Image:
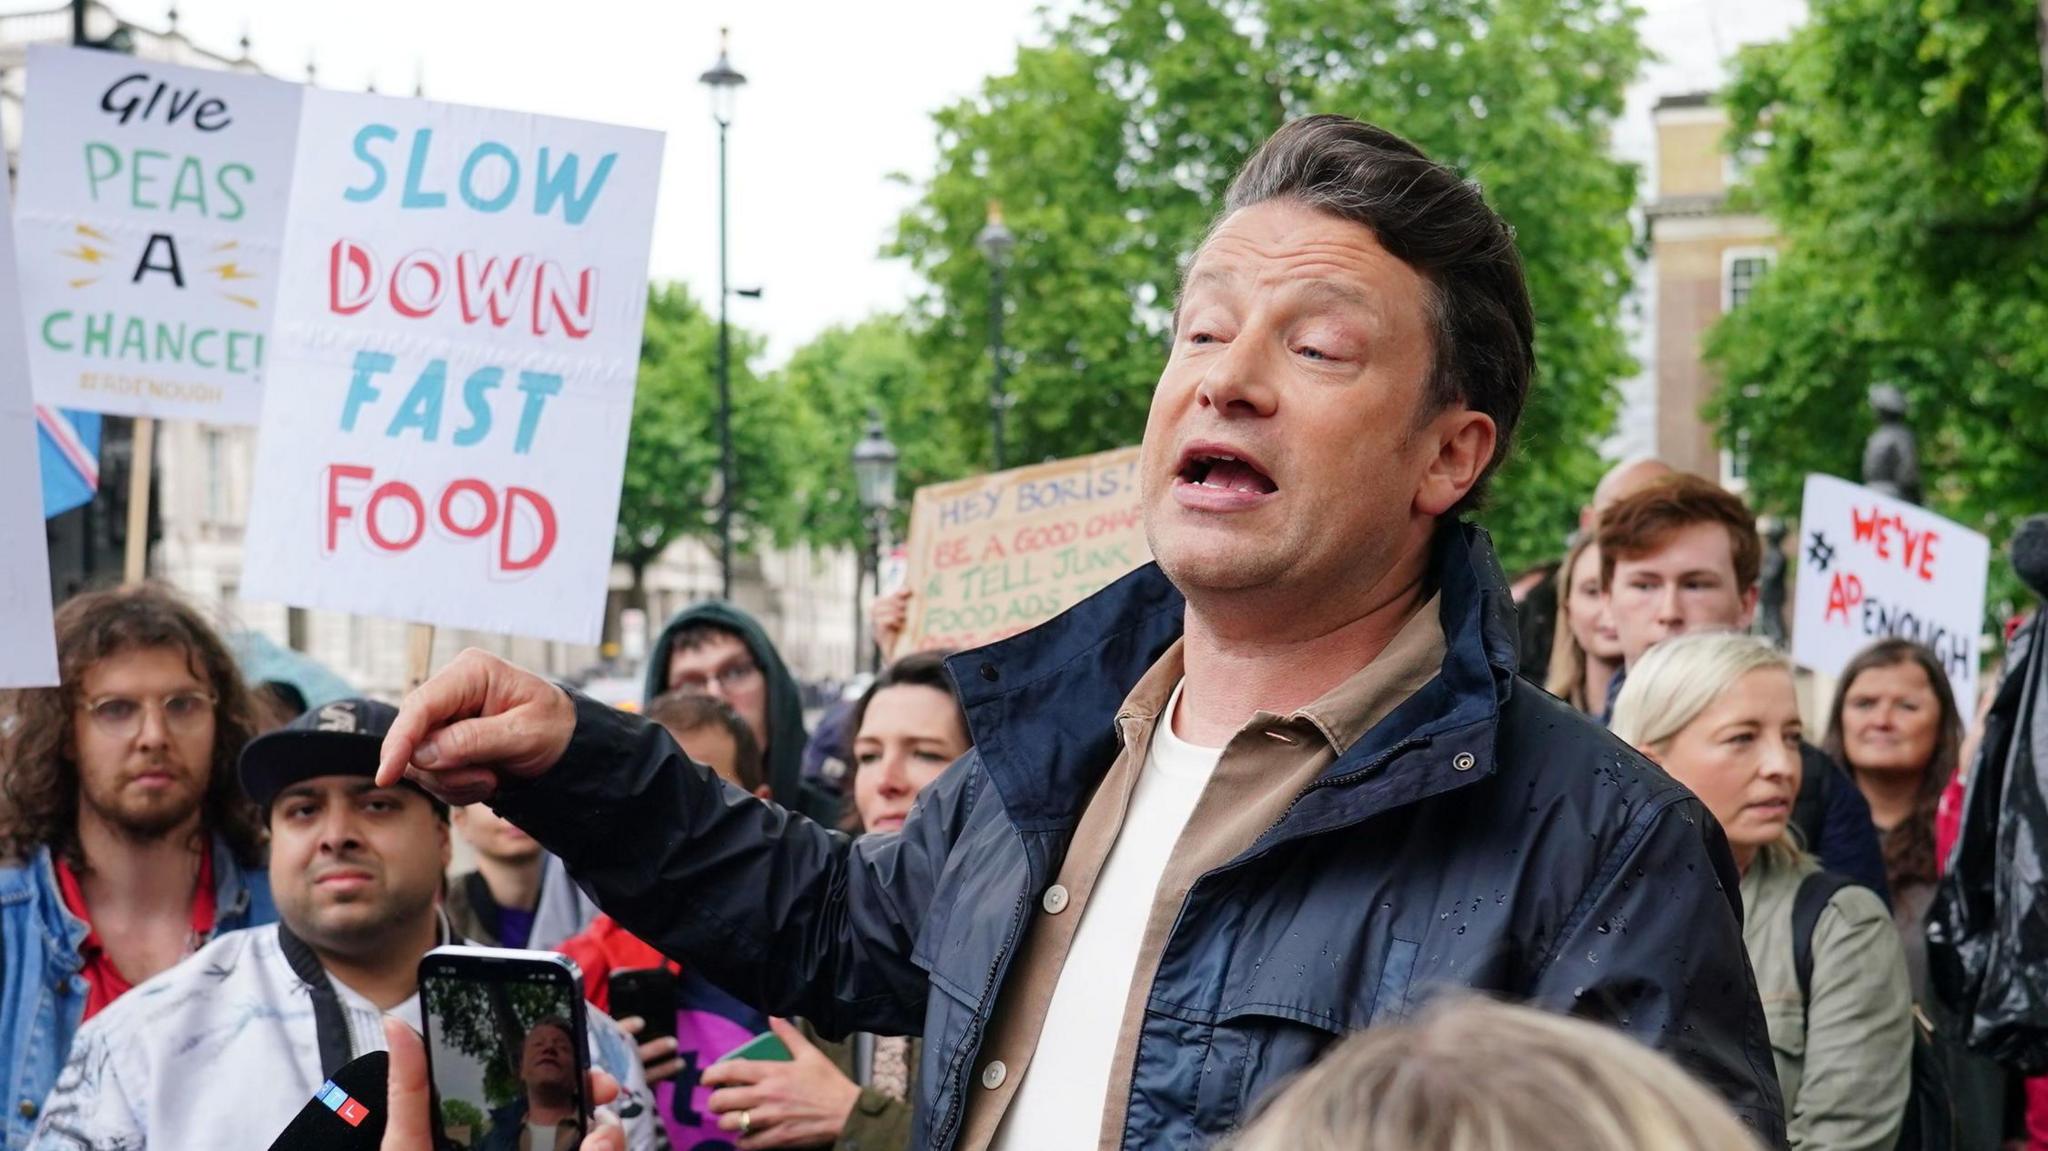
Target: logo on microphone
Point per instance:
(339, 1102)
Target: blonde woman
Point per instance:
(1474, 1075)
(1719, 714)
(1586, 651)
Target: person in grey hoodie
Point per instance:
(718, 650)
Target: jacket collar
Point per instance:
(64, 933)
(1042, 705)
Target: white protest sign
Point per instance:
(152, 213)
(1872, 567)
(451, 376)
(28, 640)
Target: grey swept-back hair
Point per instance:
(1437, 223)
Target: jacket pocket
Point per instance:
(1256, 1048)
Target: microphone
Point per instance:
(346, 1114)
(2030, 554)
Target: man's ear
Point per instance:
(1748, 609)
(1464, 442)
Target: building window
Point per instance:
(1735, 463)
(1740, 272)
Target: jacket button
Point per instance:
(1055, 899)
(1463, 761)
(27, 1109)
(992, 1076)
(989, 673)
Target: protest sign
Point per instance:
(28, 643)
(451, 374)
(998, 554)
(1872, 567)
(152, 214)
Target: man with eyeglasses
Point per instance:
(715, 649)
(127, 841)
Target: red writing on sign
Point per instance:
(1893, 541)
(497, 290)
(1843, 595)
(393, 516)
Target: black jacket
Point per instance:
(1484, 835)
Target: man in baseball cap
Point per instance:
(339, 739)
(245, 1031)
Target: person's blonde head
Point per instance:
(1475, 1075)
(1681, 677)
(1678, 681)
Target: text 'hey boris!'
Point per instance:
(1872, 567)
(151, 217)
(451, 372)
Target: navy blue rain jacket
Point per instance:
(1484, 836)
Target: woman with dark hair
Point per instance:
(1895, 728)
(907, 728)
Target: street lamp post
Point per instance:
(995, 242)
(874, 476)
(724, 82)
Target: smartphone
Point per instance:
(650, 993)
(766, 1046)
(507, 1045)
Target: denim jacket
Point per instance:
(42, 985)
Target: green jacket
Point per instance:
(879, 1122)
(1844, 1060)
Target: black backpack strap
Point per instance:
(1816, 891)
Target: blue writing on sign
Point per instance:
(490, 179)
(1067, 491)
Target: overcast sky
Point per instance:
(839, 98)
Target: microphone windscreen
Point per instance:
(2030, 554)
(346, 1114)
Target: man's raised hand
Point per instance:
(471, 724)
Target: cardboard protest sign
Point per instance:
(1872, 567)
(152, 214)
(451, 375)
(998, 554)
(28, 638)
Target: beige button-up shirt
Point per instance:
(1264, 767)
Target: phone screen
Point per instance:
(506, 1048)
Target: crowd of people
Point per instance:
(1268, 845)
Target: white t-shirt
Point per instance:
(1060, 1102)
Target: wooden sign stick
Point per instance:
(419, 654)
(135, 561)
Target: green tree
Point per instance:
(833, 382)
(457, 1114)
(1110, 148)
(1901, 151)
(671, 484)
(488, 1022)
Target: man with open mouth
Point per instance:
(1281, 785)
